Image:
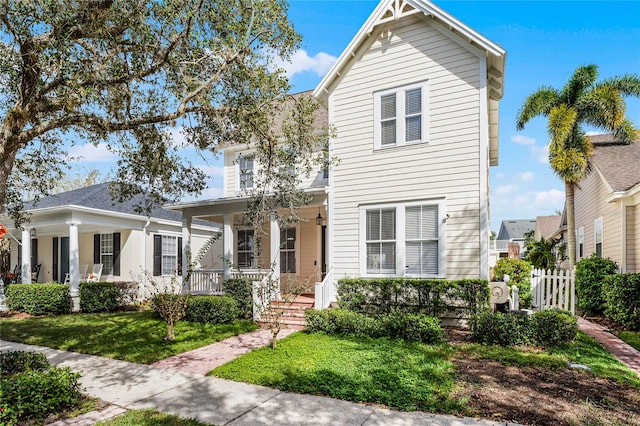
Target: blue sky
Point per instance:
(545, 41)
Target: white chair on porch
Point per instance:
(95, 275)
(83, 274)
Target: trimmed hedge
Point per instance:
(31, 389)
(425, 296)
(240, 289)
(590, 274)
(211, 309)
(397, 325)
(39, 299)
(622, 299)
(546, 328)
(105, 297)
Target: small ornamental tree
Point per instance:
(168, 300)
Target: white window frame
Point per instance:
(580, 242)
(400, 115)
(172, 242)
(400, 239)
(294, 250)
(597, 223)
(254, 261)
(106, 251)
(238, 171)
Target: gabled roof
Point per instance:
(547, 225)
(515, 229)
(618, 164)
(98, 197)
(393, 10)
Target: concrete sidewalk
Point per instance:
(222, 402)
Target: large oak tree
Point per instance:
(125, 72)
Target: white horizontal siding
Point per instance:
(448, 166)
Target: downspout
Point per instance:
(144, 239)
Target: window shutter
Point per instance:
(179, 255)
(34, 252)
(116, 253)
(157, 255)
(96, 248)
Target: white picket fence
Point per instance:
(553, 289)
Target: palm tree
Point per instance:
(545, 253)
(581, 102)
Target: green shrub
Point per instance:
(622, 299)
(590, 274)
(342, 321)
(240, 289)
(509, 329)
(519, 272)
(553, 327)
(412, 327)
(102, 296)
(20, 361)
(39, 299)
(33, 395)
(430, 297)
(211, 309)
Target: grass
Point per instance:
(131, 336)
(407, 376)
(148, 418)
(631, 337)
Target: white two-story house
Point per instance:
(414, 102)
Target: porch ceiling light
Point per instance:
(32, 233)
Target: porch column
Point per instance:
(186, 250)
(227, 245)
(274, 251)
(25, 272)
(74, 265)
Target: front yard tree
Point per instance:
(583, 101)
(125, 73)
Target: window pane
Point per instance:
(169, 254)
(412, 223)
(413, 102)
(388, 258)
(388, 132)
(412, 261)
(106, 253)
(429, 222)
(373, 258)
(388, 224)
(413, 131)
(373, 225)
(429, 257)
(388, 106)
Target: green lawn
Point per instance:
(148, 418)
(631, 337)
(131, 336)
(408, 376)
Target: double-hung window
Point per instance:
(169, 254)
(403, 239)
(400, 116)
(245, 248)
(106, 253)
(288, 250)
(245, 172)
(597, 233)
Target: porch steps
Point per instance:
(293, 313)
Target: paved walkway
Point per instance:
(627, 354)
(217, 401)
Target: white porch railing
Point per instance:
(553, 289)
(252, 274)
(323, 291)
(206, 281)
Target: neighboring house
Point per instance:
(511, 231)
(547, 227)
(414, 101)
(86, 227)
(607, 204)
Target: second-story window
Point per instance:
(245, 172)
(400, 116)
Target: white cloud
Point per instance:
(91, 153)
(501, 175)
(595, 132)
(540, 153)
(505, 190)
(177, 136)
(211, 171)
(301, 62)
(523, 140)
(541, 201)
(526, 176)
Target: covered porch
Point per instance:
(294, 255)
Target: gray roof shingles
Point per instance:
(98, 197)
(515, 229)
(619, 163)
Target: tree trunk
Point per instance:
(170, 333)
(571, 222)
(9, 147)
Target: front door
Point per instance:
(64, 258)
